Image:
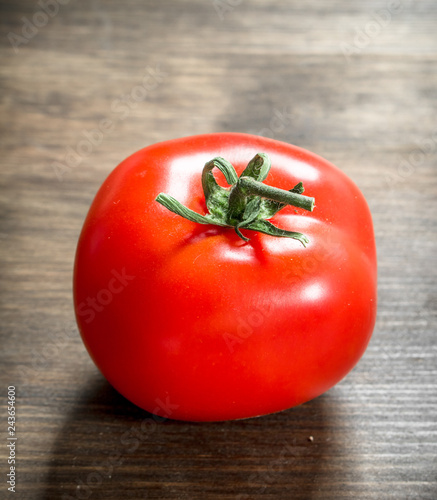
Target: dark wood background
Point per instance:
(353, 81)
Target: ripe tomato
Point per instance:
(192, 322)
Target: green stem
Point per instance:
(247, 203)
(209, 184)
(251, 186)
(247, 186)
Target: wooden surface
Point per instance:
(355, 82)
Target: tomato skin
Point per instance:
(216, 328)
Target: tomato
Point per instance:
(206, 322)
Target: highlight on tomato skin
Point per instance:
(225, 276)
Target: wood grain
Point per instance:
(352, 81)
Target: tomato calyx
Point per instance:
(247, 203)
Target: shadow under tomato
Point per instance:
(111, 449)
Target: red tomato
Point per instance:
(189, 321)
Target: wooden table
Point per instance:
(352, 81)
